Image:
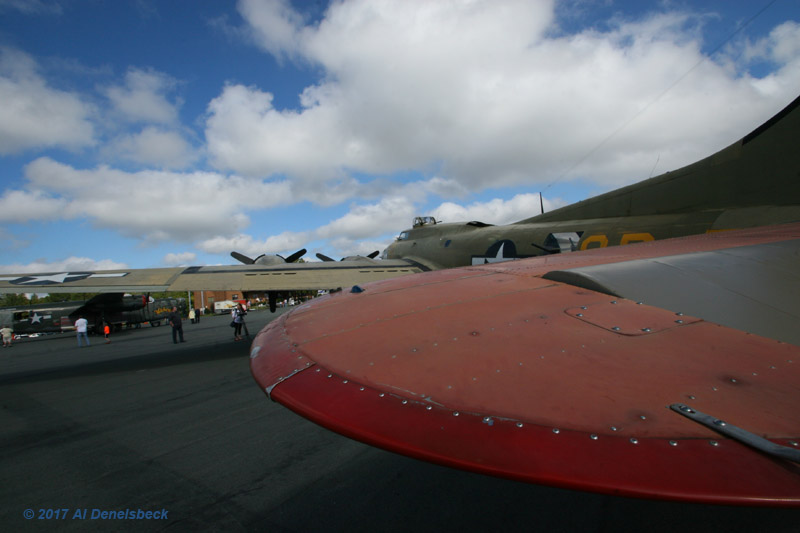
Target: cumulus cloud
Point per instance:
(153, 146)
(416, 103)
(35, 115)
(365, 221)
(23, 206)
(153, 205)
(143, 97)
(490, 94)
(181, 259)
(496, 211)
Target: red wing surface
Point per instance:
(567, 381)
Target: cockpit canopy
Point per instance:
(424, 221)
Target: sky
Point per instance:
(143, 133)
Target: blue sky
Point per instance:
(149, 133)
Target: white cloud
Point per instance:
(488, 94)
(181, 259)
(35, 115)
(364, 221)
(143, 97)
(74, 264)
(496, 211)
(154, 205)
(156, 147)
(23, 206)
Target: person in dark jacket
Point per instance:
(177, 325)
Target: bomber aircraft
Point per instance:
(667, 368)
(751, 183)
(114, 309)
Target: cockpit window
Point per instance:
(424, 221)
(403, 236)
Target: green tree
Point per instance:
(11, 300)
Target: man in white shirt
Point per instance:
(81, 325)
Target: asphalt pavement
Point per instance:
(182, 432)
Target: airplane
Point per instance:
(115, 309)
(653, 369)
(665, 369)
(751, 183)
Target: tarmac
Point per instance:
(183, 432)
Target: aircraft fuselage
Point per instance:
(453, 245)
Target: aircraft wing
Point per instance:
(648, 370)
(291, 276)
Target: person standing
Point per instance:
(106, 331)
(177, 325)
(238, 320)
(81, 326)
(7, 334)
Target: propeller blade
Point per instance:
(295, 256)
(323, 257)
(242, 258)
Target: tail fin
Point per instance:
(761, 170)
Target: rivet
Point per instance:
(755, 373)
(713, 443)
(679, 321)
(519, 424)
(455, 413)
(792, 443)
(613, 428)
(673, 443)
(429, 407)
(345, 381)
(686, 409)
(330, 375)
(404, 402)
(593, 436)
(613, 301)
(638, 303)
(361, 389)
(646, 330)
(413, 349)
(318, 370)
(720, 423)
(642, 417)
(679, 314)
(634, 440)
(772, 367)
(733, 380)
(615, 328)
(691, 397)
(714, 389)
(584, 307)
(382, 394)
(579, 314)
(556, 431)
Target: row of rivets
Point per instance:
(633, 440)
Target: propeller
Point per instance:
(325, 258)
(265, 259)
